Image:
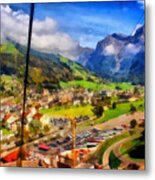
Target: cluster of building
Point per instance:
(11, 115)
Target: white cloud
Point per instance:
(110, 50)
(13, 25)
(47, 26)
(46, 35)
(132, 48)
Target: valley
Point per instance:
(76, 115)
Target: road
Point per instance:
(118, 121)
(127, 160)
(116, 149)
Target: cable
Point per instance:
(139, 20)
(25, 81)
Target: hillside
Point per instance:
(45, 70)
(9, 48)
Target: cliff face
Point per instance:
(119, 57)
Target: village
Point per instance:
(48, 137)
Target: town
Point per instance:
(47, 131)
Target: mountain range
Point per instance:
(118, 57)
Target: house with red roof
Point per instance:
(28, 116)
(44, 119)
(37, 116)
(10, 120)
(11, 156)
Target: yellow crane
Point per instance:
(73, 128)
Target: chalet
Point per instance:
(45, 120)
(88, 97)
(66, 98)
(33, 110)
(37, 106)
(45, 92)
(28, 116)
(76, 102)
(10, 120)
(98, 99)
(37, 116)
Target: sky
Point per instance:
(65, 27)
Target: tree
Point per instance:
(98, 110)
(133, 166)
(133, 123)
(132, 108)
(46, 128)
(35, 126)
(114, 105)
(107, 101)
(117, 88)
(136, 91)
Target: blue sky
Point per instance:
(89, 22)
(63, 28)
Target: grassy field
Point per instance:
(6, 132)
(69, 111)
(121, 109)
(109, 114)
(127, 147)
(96, 86)
(72, 111)
(78, 70)
(82, 83)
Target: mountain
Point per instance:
(119, 57)
(45, 70)
(84, 56)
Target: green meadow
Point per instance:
(95, 86)
(69, 111)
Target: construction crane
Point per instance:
(72, 155)
(73, 127)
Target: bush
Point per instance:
(114, 162)
(114, 105)
(98, 110)
(133, 123)
(132, 108)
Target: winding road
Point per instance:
(116, 149)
